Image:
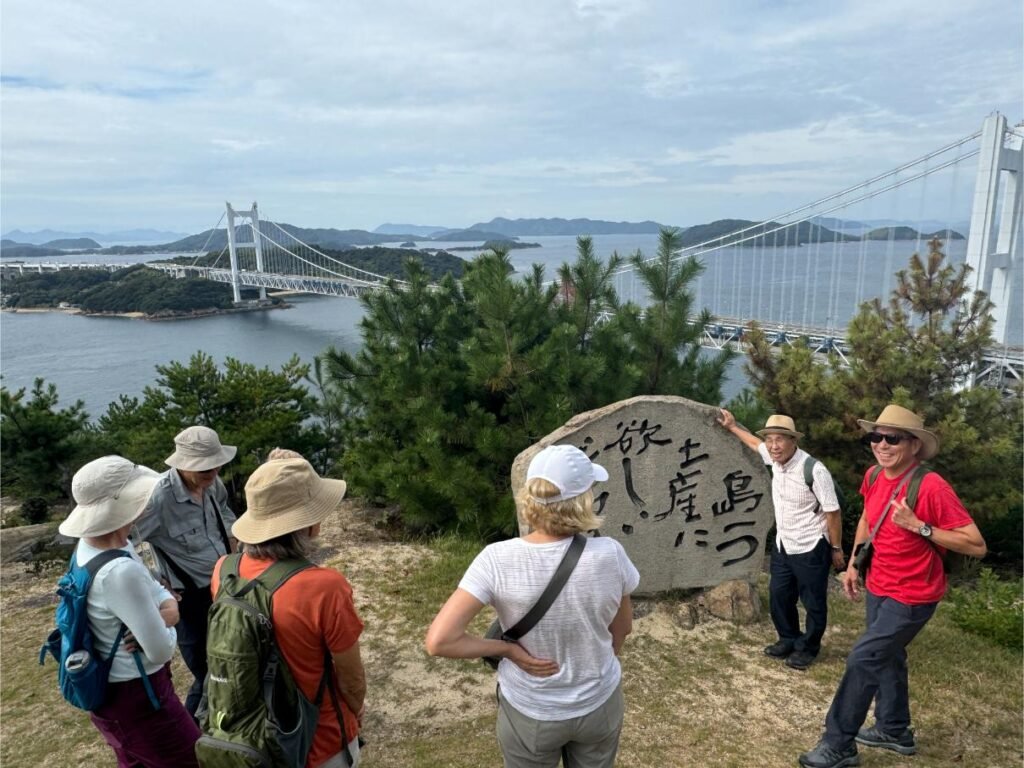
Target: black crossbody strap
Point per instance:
(892, 500)
(551, 592)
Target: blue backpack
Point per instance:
(84, 670)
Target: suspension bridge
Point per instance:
(800, 275)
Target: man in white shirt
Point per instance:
(808, 538)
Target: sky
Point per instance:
(350, 114)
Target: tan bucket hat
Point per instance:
(780, 425)
(285, 495)
(111, 492)
(898, 417)
(198, 449)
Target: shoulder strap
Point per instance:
(104, 557)
(892, 500)
(915, 484)
(220, 521)
(187, 582)
(809, 472)
(875, 472)
(271, 579)
(553, 589)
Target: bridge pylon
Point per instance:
(257, 245)
(994, 245)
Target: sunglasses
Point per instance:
(876, 437)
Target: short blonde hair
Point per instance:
(559, 518)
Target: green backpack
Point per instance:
(252, 714)
(809, 479)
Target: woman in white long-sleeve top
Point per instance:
(560, 692)
(111, 493)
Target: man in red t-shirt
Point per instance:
(904, 585)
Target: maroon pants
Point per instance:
(142, 737)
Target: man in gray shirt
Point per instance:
(187, 523)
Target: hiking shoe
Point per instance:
(873, 737)
(779, 650)
(800, 660)
(824, 756)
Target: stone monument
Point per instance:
(689, 503)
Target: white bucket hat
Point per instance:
(568, 468)
(285, 495)
(198, 449)
(111, 492)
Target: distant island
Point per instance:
(12, 249)
(491, 245)
(556, 226)
(909, 233)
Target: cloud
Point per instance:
(343, 114)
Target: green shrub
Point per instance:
(35, 510)
(993, 609)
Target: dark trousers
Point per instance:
(141, 736)
(804, 576)
(193, 609)
(877, 669)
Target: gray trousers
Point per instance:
(590, 741)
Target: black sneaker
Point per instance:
(873, 737)
(824, 756)
(800, 660)
(779, 650)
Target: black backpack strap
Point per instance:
(187, 582)
(809, 472)
(104, 557)
(329, 682)
(915, 484)
(551, 592)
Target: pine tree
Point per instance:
(916, 350)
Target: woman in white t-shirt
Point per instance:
(111, 493)
(560, 690)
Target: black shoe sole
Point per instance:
(888, 745)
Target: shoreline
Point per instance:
(193, 315)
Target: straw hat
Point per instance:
(780, 425)
(568, 468)
(285, 495)
(900, 418)
(111, 492)
(197, 449)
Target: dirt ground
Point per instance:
(694, 697)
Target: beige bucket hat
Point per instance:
(780, 425)
(285, 495)
(898, 417)
(198, 449)
(111, 492)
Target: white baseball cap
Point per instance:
(568, 468)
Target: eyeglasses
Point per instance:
(877, 437)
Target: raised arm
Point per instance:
(728, 421)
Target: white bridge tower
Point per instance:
(994, 244)
(254, 221)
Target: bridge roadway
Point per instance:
(1004, 368)
(341, 285)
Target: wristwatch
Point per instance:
(925, 530)
(837, 549)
